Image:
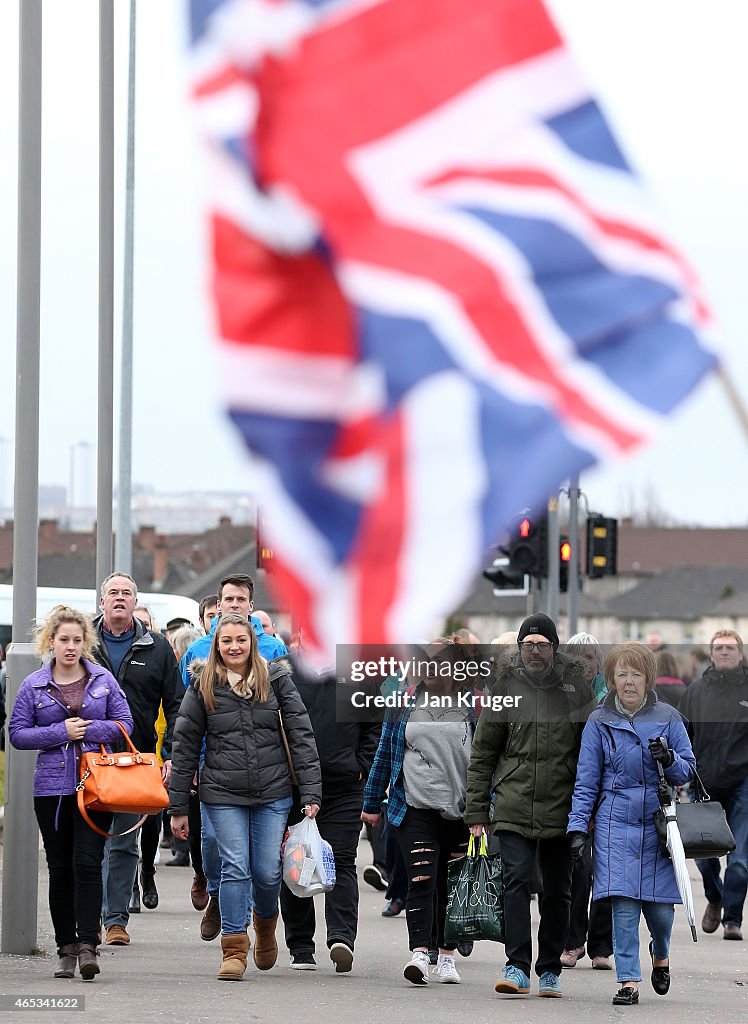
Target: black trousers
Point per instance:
(518, 857)
(150, 834)
(339, 823)
(396, 870)
(590, 924)
(74, 854)
(428, 842)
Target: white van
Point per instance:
(164, 607)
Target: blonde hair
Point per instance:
(509, 636)
(215, 674)
(151, 617)
(635, 655)
(730, 633)
(60, 614)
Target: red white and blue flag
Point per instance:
(439, 289)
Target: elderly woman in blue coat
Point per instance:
(616, 785)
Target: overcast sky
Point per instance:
(673, 78)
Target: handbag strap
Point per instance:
(284, 738)
(128, 741)
(702, 797)
(107, 835)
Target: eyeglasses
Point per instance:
(542, 648)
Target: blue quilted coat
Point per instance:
(616, 784)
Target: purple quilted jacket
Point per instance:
(38, 723)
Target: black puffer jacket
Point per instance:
(346, 747)
(245, 760)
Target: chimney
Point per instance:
(146, 537)
(160, 562)
(224, 522)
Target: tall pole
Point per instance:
(553, 560)
(124, 487)
(573, 592)
(104, 474)
(20, 866)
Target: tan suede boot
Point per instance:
(235, 949)
(266, 948)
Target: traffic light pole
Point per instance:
(573, 591)
(553, 582)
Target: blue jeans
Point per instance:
(249, 841)
(119, 870)
(626, 912)
(730, 892)
(212, 861)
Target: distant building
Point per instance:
(191, 564)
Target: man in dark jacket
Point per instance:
(144, 665)
(716, 711)
(346, 750)
(527, 754)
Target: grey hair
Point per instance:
(124, 575)
(583, 639)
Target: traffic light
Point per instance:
(564, 553)
(503, 579)
(527, 549)
(602, 546)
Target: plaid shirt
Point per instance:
(387, 769)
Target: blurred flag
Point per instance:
(439, 290)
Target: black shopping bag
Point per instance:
(475, 900)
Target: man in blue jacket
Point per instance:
(235, 596)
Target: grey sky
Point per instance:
(673, 78)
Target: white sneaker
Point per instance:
(445, 970)
(417, 969)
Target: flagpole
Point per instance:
(124, 487)
(21, 849)
(573, 590)
(104, 474)
(554, 569)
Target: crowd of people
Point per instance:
(560, 770)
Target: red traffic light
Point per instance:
(566, 551)
(524, 528)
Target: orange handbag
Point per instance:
(128, 783)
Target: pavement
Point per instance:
(168, 972)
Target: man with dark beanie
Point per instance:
(526, 755)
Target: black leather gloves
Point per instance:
(660, 751)
(577, 846)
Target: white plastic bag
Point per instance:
(308, 861)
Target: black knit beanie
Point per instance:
(541, 624)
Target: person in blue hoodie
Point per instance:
(616, 786)
(236, 597)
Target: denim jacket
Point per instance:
(38, 723)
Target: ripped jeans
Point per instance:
(428, 842)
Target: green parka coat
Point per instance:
(526, 756)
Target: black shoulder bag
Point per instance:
(702, 824)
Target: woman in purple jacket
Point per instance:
(69, 705)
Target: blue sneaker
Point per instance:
(550, 985)
(514, 982)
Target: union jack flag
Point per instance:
(438, 287)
